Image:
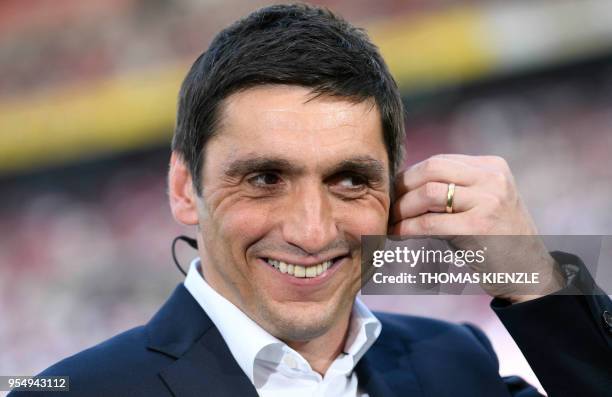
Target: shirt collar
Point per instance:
(233, 324)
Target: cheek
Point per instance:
(364, 218)
(242, 223)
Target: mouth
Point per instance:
(300, 271)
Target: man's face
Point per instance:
(297, 182)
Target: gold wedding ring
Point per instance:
(450, 195)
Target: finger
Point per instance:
(436, 169)
(433, 224)
(495, 163)
(431, 197)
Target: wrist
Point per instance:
(552, 281)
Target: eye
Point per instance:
(351, 181)
(349, 185)
(265, 179)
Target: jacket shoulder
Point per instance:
(433, 332)
(119, 366)
(415, 326)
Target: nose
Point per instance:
(309, 222)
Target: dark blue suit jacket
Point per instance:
(181, 353)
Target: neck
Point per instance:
(320, 352)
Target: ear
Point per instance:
(181, 192)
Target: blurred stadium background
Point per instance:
(87, 102)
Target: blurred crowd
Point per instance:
(45, 43)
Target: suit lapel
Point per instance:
(372, 380)
(387, 370)
(208, 368)
(204, 365)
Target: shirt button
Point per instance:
(290, 361)
(607, 319)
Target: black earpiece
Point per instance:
(193, 243)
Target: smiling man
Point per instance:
(283, 181)
(286, 151)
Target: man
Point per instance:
(286, 149)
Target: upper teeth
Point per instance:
(300, 271)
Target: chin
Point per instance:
(300, 321)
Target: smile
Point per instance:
(299, 271)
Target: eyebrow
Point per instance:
(364, 165)
(258, 164)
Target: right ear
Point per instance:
(181, 192)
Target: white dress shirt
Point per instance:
(274, 368)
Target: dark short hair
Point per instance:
(293, 44)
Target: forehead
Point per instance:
(290, 120)
(292, 107)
